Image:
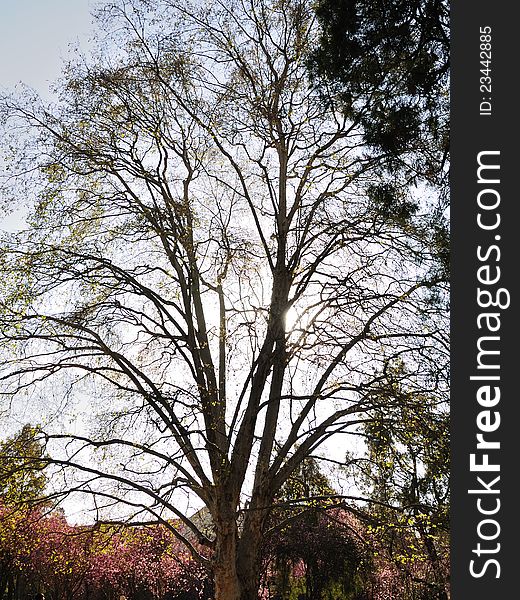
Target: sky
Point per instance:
(35, 36)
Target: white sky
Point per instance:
(35, 36)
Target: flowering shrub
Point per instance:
(315, 555)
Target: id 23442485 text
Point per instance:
(486, 99)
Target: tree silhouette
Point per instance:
(208, 272)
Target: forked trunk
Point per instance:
(236, 581)
(227, 584)
(248, 561)
(237, 568)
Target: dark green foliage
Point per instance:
(409, 36)
(387, 61)
(326, 552)
(389, 203)
(315, 549)
(407, 474)
(391, 128)
(385, 64)
(441, 244)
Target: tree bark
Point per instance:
(237, 563)
(248, 566)
(227, 584)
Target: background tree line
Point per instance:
(318, 546)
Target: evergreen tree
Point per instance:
(22, 464)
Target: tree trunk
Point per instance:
(237, 567)
(249, 553)
(249, 574)
(227, 584)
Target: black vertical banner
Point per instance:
(485, 323)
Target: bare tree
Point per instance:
(212, 269)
